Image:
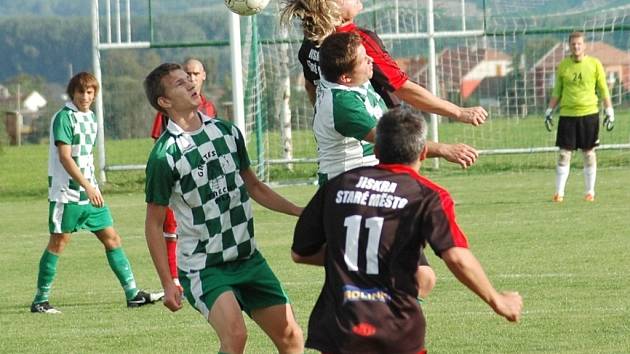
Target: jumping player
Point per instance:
(319, 19)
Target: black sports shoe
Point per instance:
(44, 307)
(144, 298)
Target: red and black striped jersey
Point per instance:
(387, 78)
(373, 222)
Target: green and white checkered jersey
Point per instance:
(343, 117)
(198, 175)
(77, 129)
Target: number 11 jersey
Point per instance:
(373, 222)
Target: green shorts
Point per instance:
(251, 280)
(72, 217)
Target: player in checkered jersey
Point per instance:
(197, 72)
(75, 200)
(367, 227)
(200, 168)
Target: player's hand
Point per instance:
(609, 120)
(549, 119)
(508, 305)
(95, 197)
(173, 297)
(460, 154)
(473, 115)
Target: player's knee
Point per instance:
(233, 341)
(426, 281)
(292, 340)
(590, 159)
(564, 157)
(57, 243)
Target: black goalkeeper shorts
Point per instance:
(578, 132)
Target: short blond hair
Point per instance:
(319, 18)
(576, 34)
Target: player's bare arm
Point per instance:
(157, 248)
(423, 99)
(266, 196)
(466, 268)
(68, 163)
(461, 154)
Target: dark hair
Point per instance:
(153, 86)
(401, 134)
(82, 81)
(338, 54)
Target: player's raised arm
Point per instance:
(423, 99)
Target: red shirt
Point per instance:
(159, 122)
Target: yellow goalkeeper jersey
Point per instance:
(577, 85)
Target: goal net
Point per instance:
(499, 54)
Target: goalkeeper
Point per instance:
(578, 78)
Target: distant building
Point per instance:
(459, 70)
(25, 121)
(33, 102)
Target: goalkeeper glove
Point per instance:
(548, 119)
(609, 121)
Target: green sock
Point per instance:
(46, 275)
(120, 265)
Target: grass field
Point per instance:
(569, 261)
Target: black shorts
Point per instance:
(578, 132)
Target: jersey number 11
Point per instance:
(353, 228)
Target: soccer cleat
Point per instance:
(589, 197)
(44, 307)
(144, 298)
(557, 198)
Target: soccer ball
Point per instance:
(246, 7)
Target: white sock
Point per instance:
(590, 174)
(590, 171)
(562, 174)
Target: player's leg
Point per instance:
(588, 139)
(62, 220)
(590, 174)
(100, 222)
(264, 299)
(563, 167)
(47, 273)
(425, 276)
(170, 236)
(280, 325)
(226, 319)
(566, 141)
